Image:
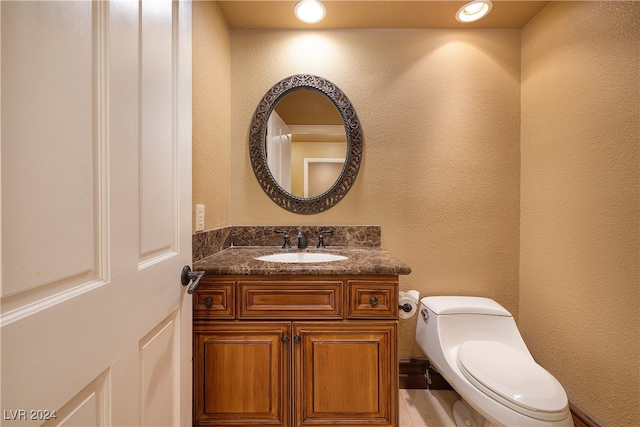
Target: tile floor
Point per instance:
(426, 408)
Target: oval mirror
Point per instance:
(305, 144)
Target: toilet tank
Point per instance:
(445, 322)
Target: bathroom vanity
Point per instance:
(296, 344)
(295, 341)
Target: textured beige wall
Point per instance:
(211, 113)
(440, 112)
(579, 300)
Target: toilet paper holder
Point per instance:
(405, 307)
(408, 303)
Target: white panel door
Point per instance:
(96, 212)
(279, 150)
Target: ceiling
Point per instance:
(362, 14)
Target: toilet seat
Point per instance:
(513, 379)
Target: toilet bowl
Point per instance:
(476, 346)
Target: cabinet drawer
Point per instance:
(214, 301)
(375, 300)
(290, 300)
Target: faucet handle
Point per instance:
(321, 238)
(286, 244)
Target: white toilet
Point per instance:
(476, 346)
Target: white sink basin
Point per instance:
(307, 257)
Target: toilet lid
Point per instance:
(513, 378)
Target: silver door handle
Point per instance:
(191, 276)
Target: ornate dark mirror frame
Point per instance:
(257, 149)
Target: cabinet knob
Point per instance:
(373, 301)
(208, 302)
(297, 339)
(285, 339)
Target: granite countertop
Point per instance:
(241, 261)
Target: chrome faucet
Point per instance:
(302, 240)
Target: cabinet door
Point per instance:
(242, 373)
(346, 373)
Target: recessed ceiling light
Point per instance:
(473, 11)
(310, 11)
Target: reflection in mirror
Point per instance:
(305, 143)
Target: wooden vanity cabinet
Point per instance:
(300, 351)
